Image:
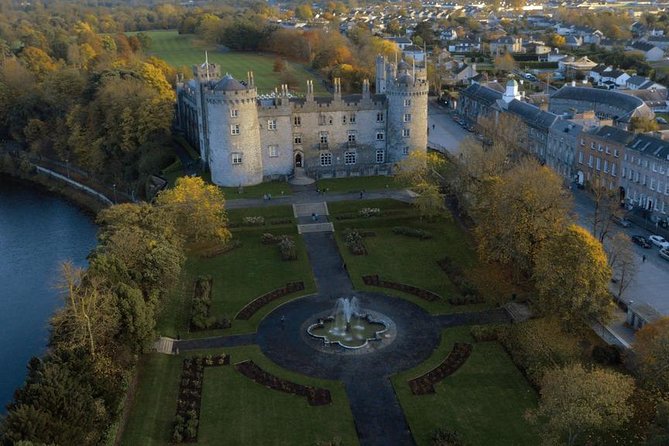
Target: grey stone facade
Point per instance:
(245, 139)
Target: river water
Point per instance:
(38, 231)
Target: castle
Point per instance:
(245, 139)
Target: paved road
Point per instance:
(446, 134)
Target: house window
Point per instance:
(380, 156)
(616, 153)
(405, 151)
(324, 137)
(297, 139)
(234, 129)
(273, 151)
(407, 117)
(592, 145)
(350, 157)
(379, 117)
(407, 102)
(599, 163)
(351, 136)
(234, 113)
(236, 158)
(590, 160)
(607, 150)
(297, 121)
(352, 118)
(582, 141)
(606, 166)
(271, 124)
(380, 136)
(326, 159)
(406, 133)
(580, 157)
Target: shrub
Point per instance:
(269, 239)
(353, 240)
(445, 437)
(412, 232)
(287, 248)
(254, 221)
(606, 355)
(369, 212)
(485, 333)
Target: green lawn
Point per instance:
(356, 184)
(484, 401)
(249, 271)
(275, 188)
(235, 410)
(179, 50)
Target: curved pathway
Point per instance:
(282, 337)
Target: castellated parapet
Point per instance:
(245, 138)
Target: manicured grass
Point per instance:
(185, 50)
(353, 206)
(275, 188)
(356, 184)
(409, 260)
(484, 401)
(249, 271)
(235, 410)
(236, 216)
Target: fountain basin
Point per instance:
(356, 333)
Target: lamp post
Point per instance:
(67, 166)
(114, 187)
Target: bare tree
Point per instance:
(606, 206)
(622, 261)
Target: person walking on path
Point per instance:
(643, 258)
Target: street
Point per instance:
(446, 134)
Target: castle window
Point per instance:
(352, 118)
(234, 129)
(326, 159)
(297, 120)
(380, 156)
(322, 119)
(236, 158)
(407, 102)
(330, 121)
(297, 139)
(350, 157)
(351, 136)
(273, 151)
(234, 113)
(407, 117)
(324, 137)
(379, 117)
(380, 136)
(406, 133)
(405, 151)
(271, 124)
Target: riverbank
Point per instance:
(28, 173)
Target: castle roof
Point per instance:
(229, 83)
(405, 79)
(596, 95)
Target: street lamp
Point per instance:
(114, 187)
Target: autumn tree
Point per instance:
(572, 276)
(520, 210)
(643, 124)
(623, 262)
(651, 346)
(421, 172)
(576, 402)
(505, 63)
(304, 12)
(197, 209)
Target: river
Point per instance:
(38, 231)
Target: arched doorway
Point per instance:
(298, 159)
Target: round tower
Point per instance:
(407, 122)
(235, 156)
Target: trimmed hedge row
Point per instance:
(469, 293)
(374, 280)
(316, 396)
(200, 318)
(424, 384)
(187, 418)
(257, 303)
(412, 232)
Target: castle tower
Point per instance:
(232, 116)
(406, 99)
(380, 74)
(204, 74)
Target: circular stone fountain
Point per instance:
(348, 326)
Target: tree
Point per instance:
(505, 63)
(430, 202)
(651, 346)
(304, 12)
(644, 124)
(658, 434)
(572, 276)
(558, 40)
(623, 262)
(606, 206)
(197, 209)
(517, 212)
(421, 172)
(279, 65)
(576, 402)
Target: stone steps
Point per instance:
(307, 209)
(315, 227)
(164, 345)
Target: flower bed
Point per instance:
(257, 303)
(468, 291)
(412, 232)
(200, 318)
(419, 292)
(187, 418)
(353, 239)
(315, 395)
(424, 384)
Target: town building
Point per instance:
(598, 162)
(244, 138)
(645, 174)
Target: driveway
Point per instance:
(446, 135)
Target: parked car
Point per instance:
(659, 241)
(664, 253)
(661, 120)
(620, 221)
(641, 241)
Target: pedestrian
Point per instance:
(269, 197)
(283, 321)
(643, 258)
(432, 126)
(264, 197)
(313, 216)
(361, 195)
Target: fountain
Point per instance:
(348, 326)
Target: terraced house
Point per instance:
(645, 174)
